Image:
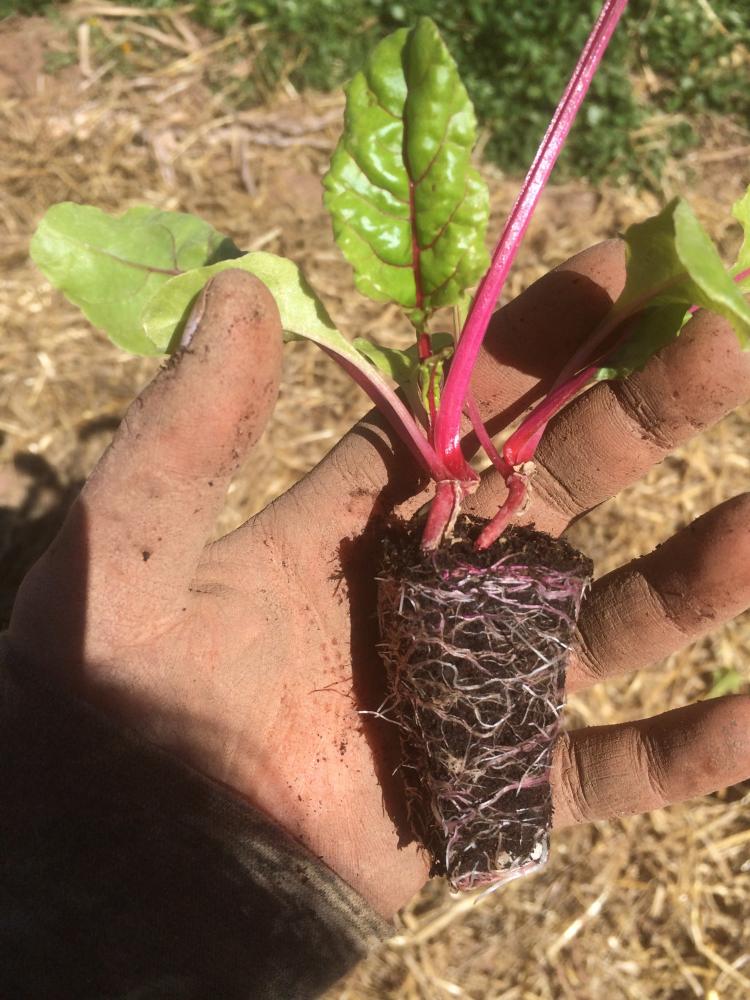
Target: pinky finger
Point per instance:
(609, 771)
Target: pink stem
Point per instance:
(398, 415)
(484, 438)
(585, 352)
(516, 495)
(521, 445)
(448, 425)
(442, 513)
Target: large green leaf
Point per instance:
(302, 317)
(741, 212)
(672, 264)
(409, 211)
(111, 266)
(302, 313)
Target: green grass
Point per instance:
(515, 59)
(8, 7)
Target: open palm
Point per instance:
(254, 658)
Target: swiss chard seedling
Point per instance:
(476, 618)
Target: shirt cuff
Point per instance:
(125, 873)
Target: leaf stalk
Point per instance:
(447, 426)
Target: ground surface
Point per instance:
(654, 907)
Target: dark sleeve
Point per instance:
(125, 874)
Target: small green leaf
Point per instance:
(672, 264)
(651, 330)
(111, 266)
(401, 366)
(398, 365)
(741, 212)
(409, 210)
(430, 377)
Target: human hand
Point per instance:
(251, 657)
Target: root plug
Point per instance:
(476, 645)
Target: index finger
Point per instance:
(613, 434)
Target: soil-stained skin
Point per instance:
(476, 646)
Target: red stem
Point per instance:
(484, 438)
(448, 425)
(521, 445)
(442, 513)
(516, 484)
(585, 353)
(398, 415)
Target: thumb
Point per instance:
(152, 501)
(230, 355)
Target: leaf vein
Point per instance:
(371, 203)
(443, 228)
(375, 184)
(372, 249)
(130, 263)
(441, 146)
(379, 104)
(451, 276)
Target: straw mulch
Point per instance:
(649, 907)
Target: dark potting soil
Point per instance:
(476, 645)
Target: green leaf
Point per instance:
(409, 211)
(672, 264)
(430, 377)
(741, 212)
(651, 330)
(111, 266)
(302, 317)
(302, 314)
(401, 366)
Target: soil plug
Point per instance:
(476, 645)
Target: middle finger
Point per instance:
(655, 605)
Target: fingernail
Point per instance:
(196, 315)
